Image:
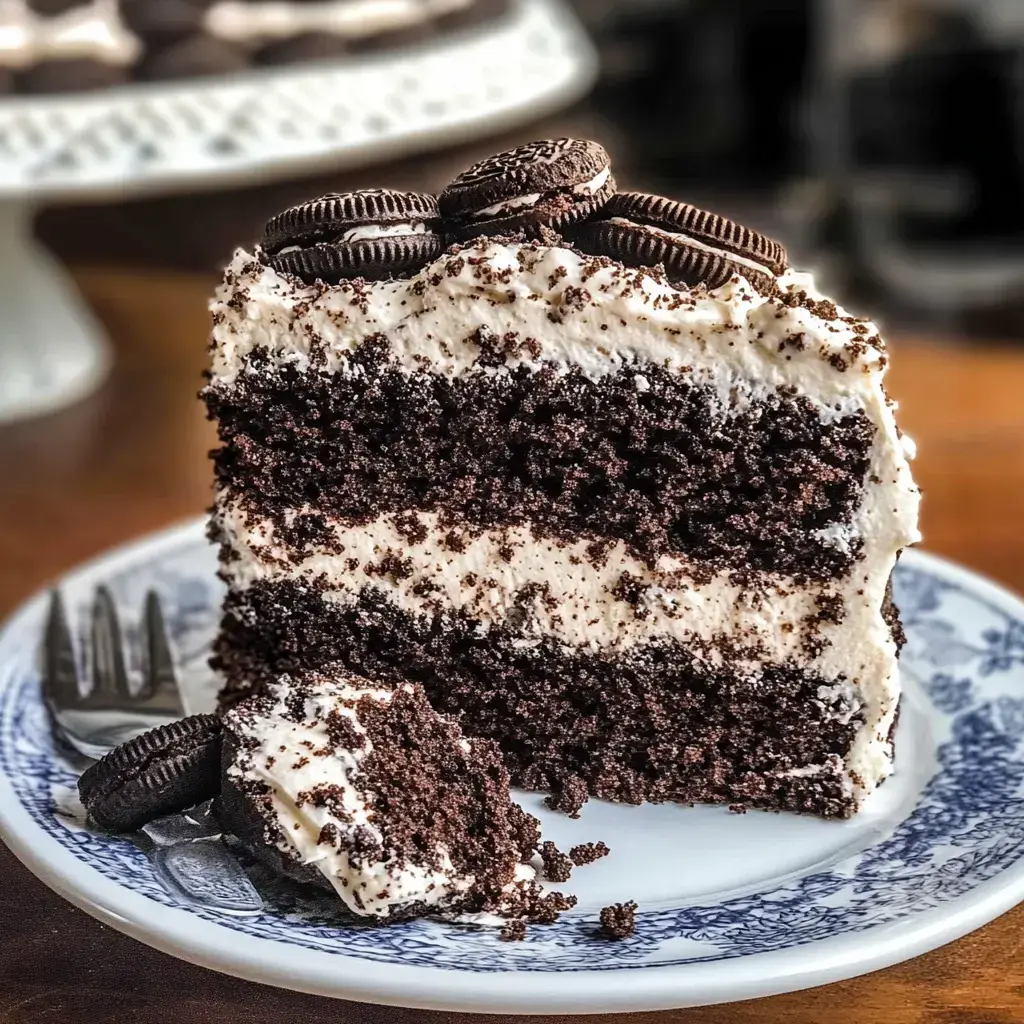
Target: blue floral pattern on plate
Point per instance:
(966, 650)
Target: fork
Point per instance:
(110, 712)
(187, 850)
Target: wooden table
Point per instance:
(133, 459)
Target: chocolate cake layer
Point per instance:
(372, 795)
(662, 722)
(641, 454)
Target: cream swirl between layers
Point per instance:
(280, 754)
(93, 30)
(254, 21)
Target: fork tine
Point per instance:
(159, 675)
(109, 675)
(60, 671)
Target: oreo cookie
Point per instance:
(694, 245)
(160, 22)
(51, 8)
(393, 39)
(372, 233)
(192, 57)
(72, 75)
(300, 49)
(160, 772)
(478, 13)
(551, 184)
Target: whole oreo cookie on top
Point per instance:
(165, 770)
(695, 246)
(372, 233)
(551, 184)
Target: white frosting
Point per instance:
(253, 21)
(595, 319)
(93, 30)
(507, 205)
(281, 759)
(365, 232)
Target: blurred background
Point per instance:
(882, 140)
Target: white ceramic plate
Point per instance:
(731, 906)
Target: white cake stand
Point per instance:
(243, 129)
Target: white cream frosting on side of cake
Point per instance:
(248, 21)
(282, 758)
(92, 30)
(596, 317)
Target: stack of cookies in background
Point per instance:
(70, 45)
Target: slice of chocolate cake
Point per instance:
(617, 487)
(370, 793)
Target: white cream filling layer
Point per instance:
(253, 21)
(94, 31)
(694, 243)
(282, 759)
(367, 232)
(508, 205)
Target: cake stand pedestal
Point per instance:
(242, 129)
(52, 349)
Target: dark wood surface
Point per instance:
(132, 459)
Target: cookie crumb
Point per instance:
(557, 866)
(514, 931)
(619, 920)
(587, 853)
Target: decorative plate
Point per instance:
(731, 906)
(242, 127)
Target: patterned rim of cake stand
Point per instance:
(953, 863)
(237, 129)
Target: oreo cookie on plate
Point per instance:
(372, 233)
(550, 184)
(165, 770)
(694, 245)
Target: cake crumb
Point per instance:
(619, 920)
(737, 808)
(570, 797)
(514, 931)
(587, 853)
(557, 865)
